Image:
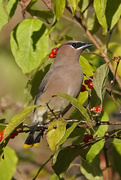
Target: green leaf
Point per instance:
(7, 11)
(98, 146)
(116, 155)
(100, 8)
(83, 97)
(92, 171)
(73, 5)
(86, 67)
(3, 15)
(68, 132)
(17, 120)
(83, 4)
(93, 24)
(54, 177)
(44, 15)
(99, 80)
(56, 130)
(75, 102)
(94, 150)
(63, 157)
(59, 6)
(29, 44)
(108, 13)
(102, 128)
(11, 7)
(113, 12)
(8, 164)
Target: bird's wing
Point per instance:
(42, 85)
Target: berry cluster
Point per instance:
(87, 137)
(53, 53)
(87, 82)
(116, 59)
(12, 135)
(97, 109)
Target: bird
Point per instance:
(64, 76)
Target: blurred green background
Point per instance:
(13, 82)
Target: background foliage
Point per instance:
(29, 30)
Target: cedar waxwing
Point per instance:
(64, 76)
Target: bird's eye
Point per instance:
(74, 45)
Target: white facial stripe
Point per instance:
(84, 46)
(72, 46)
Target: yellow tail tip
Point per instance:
(35, 144)
(26, 146)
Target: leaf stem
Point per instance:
(43, 166)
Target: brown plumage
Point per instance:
(64, 76)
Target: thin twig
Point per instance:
(91, 1)
(51, 110)
(93, 53)
(111, 95)
(114, 78)
(109, 37)
(115, 103)
(51, 38)
(43, 166)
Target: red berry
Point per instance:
(90, 85)
(85, 140)
(91, 77)
(54, 51)
(83, 88)
(116, 59)
(86, 81)
(15, 133)
(1, 136)
(20, 129)
(3, 131)
(90, 136)
(51, 55)
(12, 136)
(106, 135)
(97, 109)
(86, 136)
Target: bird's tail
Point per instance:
(33, 138)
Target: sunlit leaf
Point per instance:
(66, 155)
(93, 24)
(92, 170)
(6, 11)
(116, 155)
(8, 164)
(73, 5)
(94, 150)
(17, 120)
(100, 8)
(99, 80)
(68, 132)
(59, 6)
(103, 128)
(29, 43)
(76, 103)
(108, 13)
(56, 131)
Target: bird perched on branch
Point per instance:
(64, 76)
